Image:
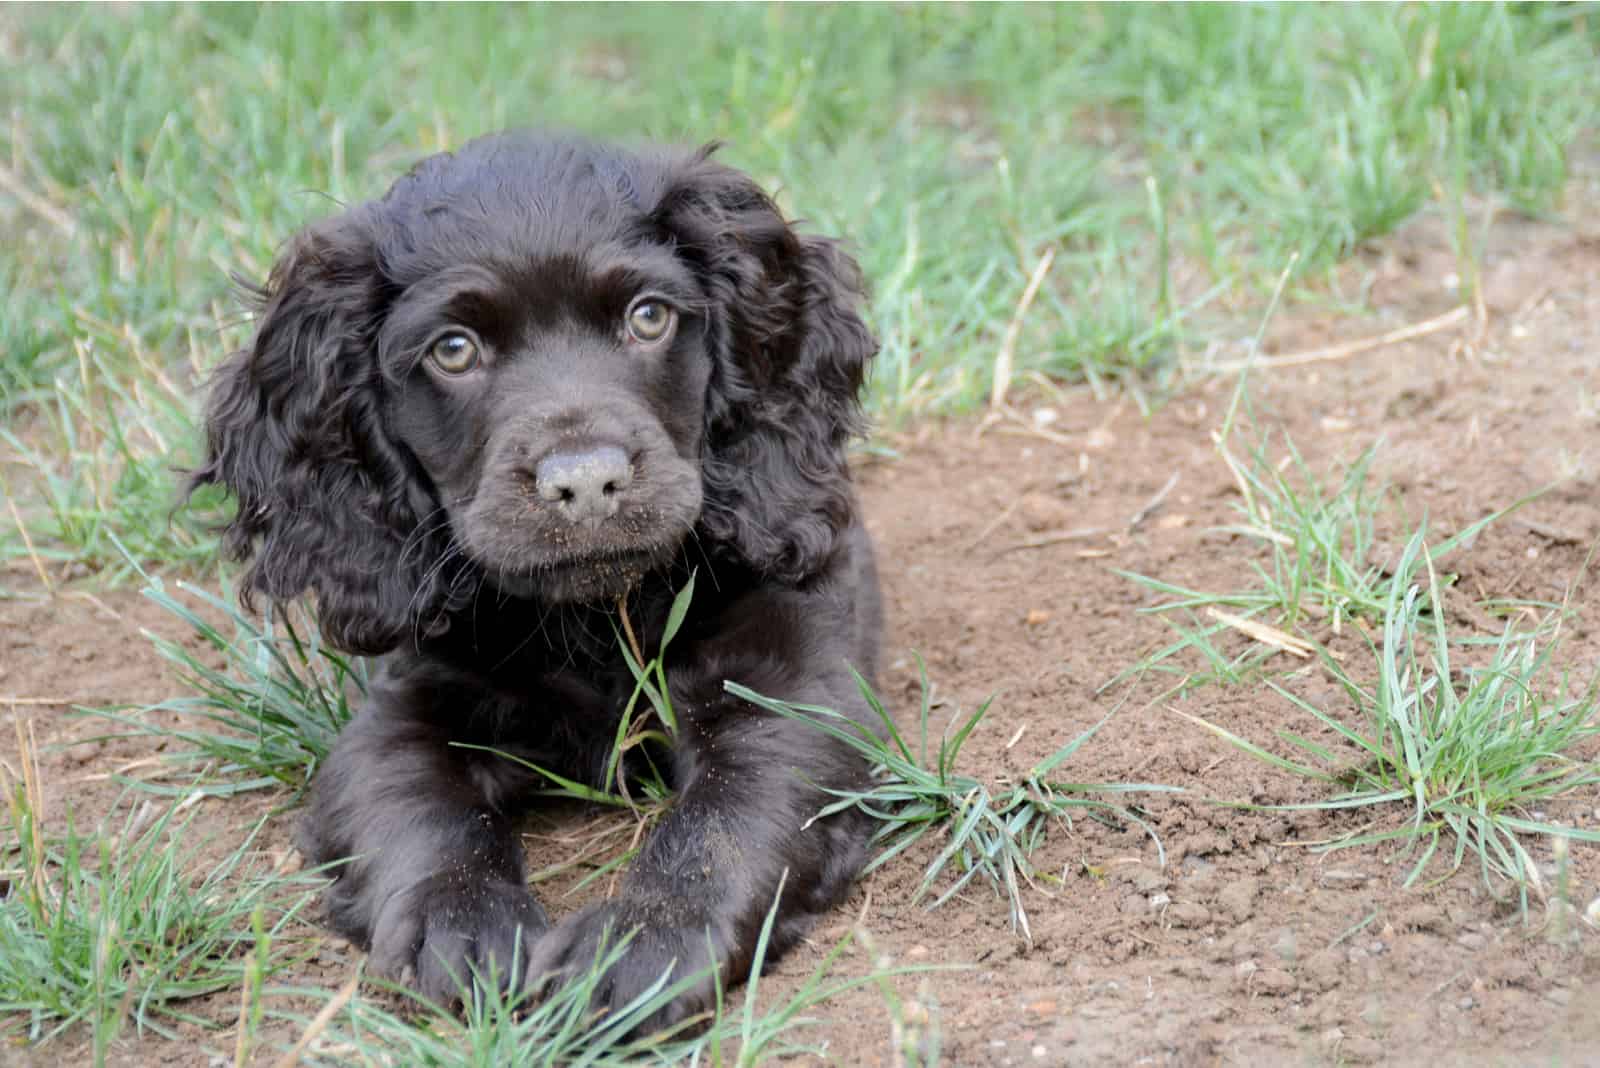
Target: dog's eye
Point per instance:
(454, 354)
(650, 320)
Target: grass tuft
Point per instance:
(1323, 565)
(992, 829)
(124, 924)
(1471, 751)
(266, 717)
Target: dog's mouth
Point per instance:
(594, 578)
(603, 577)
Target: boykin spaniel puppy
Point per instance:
(536, 386)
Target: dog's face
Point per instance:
(549, 379)
(539, 364)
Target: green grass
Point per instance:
(266, 717)
(118, 927)
(497, 1028)
(1172, 159)
(1325, 565)
(990, 829)
(1471, 748)
(1440, 753)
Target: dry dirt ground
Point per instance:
(1248, 946)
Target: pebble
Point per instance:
(1423, 918)
(1238, 899)
(1472, 940)
(1274, 982)
(1145, 880)
(1040, 511)
(1189, 914)
(1321, 969)
(1511, 972)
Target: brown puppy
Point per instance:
(538, 376)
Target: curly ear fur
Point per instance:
(326, 502)
(791, 354)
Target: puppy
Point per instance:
(540, 382)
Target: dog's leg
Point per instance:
(429, 870)
(698, 893)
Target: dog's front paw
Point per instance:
(455, 931)
(676, 946)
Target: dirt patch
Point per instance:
(1247, 946)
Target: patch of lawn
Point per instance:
(990, 829)
(1445, 754)
(121, 925)
(1160, 155)
(266, 717)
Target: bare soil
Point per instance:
(1249, 945)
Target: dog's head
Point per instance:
(541, 364)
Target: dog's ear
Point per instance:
(791, 353)
(294, 429)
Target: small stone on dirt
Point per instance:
(1321, 970)
(1286, 946)
(1188, 914)
(1343, 877)
(1041, 511)
(1238, 899)
(1273, 982)
(1143, 879)
(1511, 972)
(1422, 918)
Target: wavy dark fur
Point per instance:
(408, 501)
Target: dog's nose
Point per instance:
(584, 484)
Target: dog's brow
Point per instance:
(627, 280)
